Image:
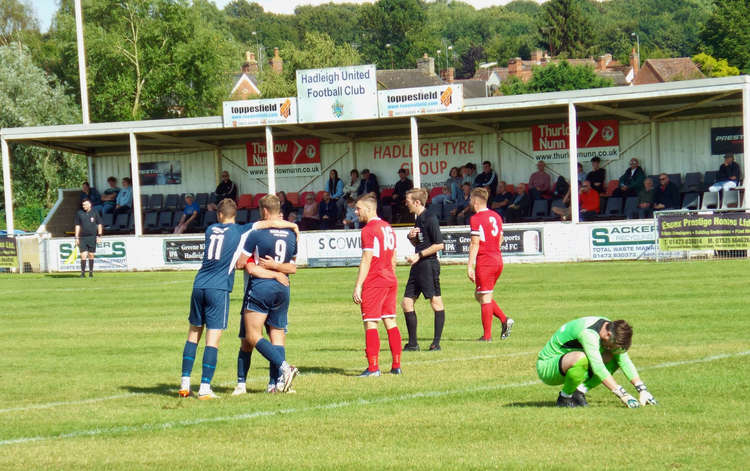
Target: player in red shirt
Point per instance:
(376, 286)
(486, 261)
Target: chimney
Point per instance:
(277, 63)
(451, 74)
(426, 64)
(251, 65)
(515, 66)
(537, 56)
(603, 61)
(635, 62)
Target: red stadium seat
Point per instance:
(293, 197)
(319, 196)
(611, 187)
(438, 190)
(257, 198)
(245, 201)
(386, 193)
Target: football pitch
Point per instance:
(90, 372)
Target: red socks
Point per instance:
(372, 349)
(394, 341)
(487, 311)
(498, 312)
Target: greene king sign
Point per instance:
(595, 139)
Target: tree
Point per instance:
(565, 28)
(399, 23)
(469, 61)
(726, 33)
(338, 21)
(555, 78)
(712, 67)
(16, 18)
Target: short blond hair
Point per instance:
(480, 193)
(270, 203)
(227, 208)
(370, 199)
(419, 194)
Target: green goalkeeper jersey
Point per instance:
(582, 335)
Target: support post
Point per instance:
(746, 137)
(8, 189)
(82, 62)
(416, 174)
(573, 161)
(655, 159)
(90, 163)
(138, 223)
(270, 162)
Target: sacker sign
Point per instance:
(260, 112)
(420, 100)
(292, 158)
(110, 255)
(550, 142)
(337, 94)
(623, 241)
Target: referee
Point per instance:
(424, 276)
(88, 233)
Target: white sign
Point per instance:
(344, 248)
(629, 240)
(420, 100)
(337, 94)
(260, 112)
(111, 254)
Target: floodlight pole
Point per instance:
(270, 162)
(746, 135)
(416, 175)
(573, 161)
(136, 182)
(8, 190)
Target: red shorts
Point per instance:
(378, 303)
(486, 276)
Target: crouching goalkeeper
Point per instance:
(585, 352)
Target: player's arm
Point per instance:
(473, 251)
(259, 272)
(436, 236)
(628, 368)
(78, 232)
(277, 224)
(364, 269)
(590, 343)
(269, 263)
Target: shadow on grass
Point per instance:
(323, 370)
(169, 390)
(531, 404)
(75, 274)
(331, 349)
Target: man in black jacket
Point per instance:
(667, 194)
(631, 182)
(728, 176)
(225, 189)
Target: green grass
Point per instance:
(89, 370)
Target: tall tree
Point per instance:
(726, 33)
(565, 28)
(395, 22)
(556, 77)
(16, 17)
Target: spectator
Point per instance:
(124, 200)
(349, 191)
(728, 176)
(597, 176)
(631, 182)
(225, 189)
(462, 212)
(110, 196)
(327, 211)
(190, 215)
(562, 187)
(502, 199)
(519, 207)
(581, 173)
(351, 220)
(588, 203)
(540, 183)
(667, 195)
(487, 179)
(292, 216)
(443, 203)
(310, 217)
(286, 205)
(467, 174)
(90, 193)
(454, 183)
(646, 199)
(399, 194)
(368, 184)
(334, 186)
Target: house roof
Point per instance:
(677, 68)
(248, 79)
(473, 88)
(405, 78)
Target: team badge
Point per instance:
(338, 109)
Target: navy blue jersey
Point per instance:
(223, 245)
(281, 244)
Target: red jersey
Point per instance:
(488, 225)
(379, 238)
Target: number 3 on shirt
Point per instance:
(214, 247)
(495, 229)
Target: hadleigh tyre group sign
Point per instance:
(550, 142)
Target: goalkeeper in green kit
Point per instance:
(584, 353)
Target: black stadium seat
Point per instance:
(202, 200)
(172, 201)
(165, 220)
(709, 178)
(150, 222)
(676, 178)
(693, 181)
(121, 222)
(243, 216)
(691, 200)
(144, 202)
(209, 217)
(107, 220)
(613, 209)
(631, 207)
(156, 202)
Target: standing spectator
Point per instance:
(310, 217)
(597, 176)
(728, 176)
(487, 179)
(190, 215)
(351, 219)
(667, 194)
(540, 183)
(454, 183)
(334, 186)
(646, 199)
(368, 184)
(110, 196)
(467, 174)
(327, 211)
(462, 212)
(588, 203)
(581, 173)
(519, 207)
(88, 232)
(502, 199)
(124, 200)
(90, 193)
(349, 191)
(631, 181)
(399, 194)
(225, 189)
(286, 205)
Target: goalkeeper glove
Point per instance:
(645, 397)
(626, 398)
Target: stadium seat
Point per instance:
(613, 209)
(293, 197)
(676, 178)
(121, 222)
(144, 202)
(256, 199)
(165, 220)
(202, 200)
(611, 187)
(245, 201)
(254, 215)
(730, 199)
(209, 217)
(709, 178)
(319, 196)
(631, 207)
(386, 212)
(172, 201)
(156, 202)
(691, 200)
(150, 222)
(710, 200)
(438, 190)
(540, 209)
(181, 202)
(107, 220)
(243, 216)
(386, 195)
(693, 182)
(655, 179)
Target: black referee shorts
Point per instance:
(424, 279)
(87, 244)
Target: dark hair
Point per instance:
(85, 183)
(333, 182)
(227, 207)
(622, 333)
(365, 170)
(487, 162)
(110, 179)
(596, 159)
(127, 179)
(354, 170)
(401, 170)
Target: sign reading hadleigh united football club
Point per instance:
(260, 112)
(337, 94)
(292, 158)
(420, 100)
(595, 139)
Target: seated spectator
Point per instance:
(90, 193)
(728, 176)
(667, 195)
(349, 190)
(597, 176)
(190, 216)
(588, 203)
(286, 205)
(443, 203)
(327, 212)
(292, 216)
(581, 174)
(110, 195)
(467, 174)
(519, 207)
(368, 184)
(462, 212)
(124, 200)
(399, 196)
(646, 199)
(351, 219)
(562, 187)
(540, 183)
(334, 185)
(454, 183)
(310, 217)
(502, 199)
(487, 179)
(631, 182)
(225, 189)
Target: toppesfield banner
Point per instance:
(595, 139)
(524, 243)
(420, 100)
(260, 112)
(8, 253)
(692, 231)
(727, 140)
(292, 158)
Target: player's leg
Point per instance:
(277, 337)
(394, 335)
(244, 356)
(431, 290)
(575, 367)
(84, 257)
(277, 322)
(485, 304)
(91, 262)
(593, 381)
(188, 358)
(407, 304)
(372, 348)
(217, 314)
(372, 308)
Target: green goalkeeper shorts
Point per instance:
(549, 370)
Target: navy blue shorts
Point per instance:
(209, 307)
(271, 299)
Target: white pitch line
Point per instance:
(50, 405)
(335, 405)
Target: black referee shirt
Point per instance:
(429, 232)
(88, 222)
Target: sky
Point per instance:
(45, 9)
